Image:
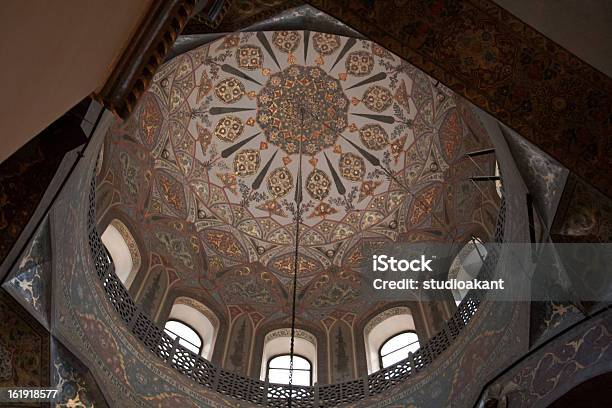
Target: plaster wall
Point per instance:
(56, 53)
(381, 333)
(280, 345)
(199, 323)
(119, 252)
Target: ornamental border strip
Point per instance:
(260, 392)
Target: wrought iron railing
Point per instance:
(263, 393)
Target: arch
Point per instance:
(381, 328)
(397, 347)
(189, 337)
(123, 250)
(213, 311)
(466, 265)
(199, 318)
(278, 342)
(278, 368)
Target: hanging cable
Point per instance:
(298, 220)
(374, 161)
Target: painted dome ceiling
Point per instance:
(234, 136)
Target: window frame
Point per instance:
(287, 369)
(380, 356)
(481, 249)
(121, 229)
(190, 327)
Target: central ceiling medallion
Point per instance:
(302, 103)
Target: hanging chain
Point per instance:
(298, 218)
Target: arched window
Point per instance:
(189, 338)
(397, 347)
(278, 370)
(123, 251)
(276, 352)
(466, 265)
(379, 332)
(197, 322)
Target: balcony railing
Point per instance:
(263, 393)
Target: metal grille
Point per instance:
(277, 395)
(146, 331)
(183, 360)
(165, 348)
(119, 296)
(204, 373)
(241, 387)
(341, 393)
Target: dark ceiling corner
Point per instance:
(26, 174)
(235, 15)
(145, 53)
(210, 13)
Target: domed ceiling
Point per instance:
(234, 136)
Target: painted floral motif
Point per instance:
(229, 128)
(223, 243)
(246, 162)
(273, 207)
(249, 57)
(229, 90)
(176, 246)
(374, 136)
(367, 189)
(286, 41)
(450, 134)
(285, 265)
(204, 88)
(280, 182)
(204, 136)
(72, 379)
(318, 184)
(171, 191)
(322, 210)
(381, 52)
(359, 63)
(325, 44)
(150, 121)
(377, 98)
(352, 167)
(302, 106)
(402, 97)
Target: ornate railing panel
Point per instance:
(277, 395)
